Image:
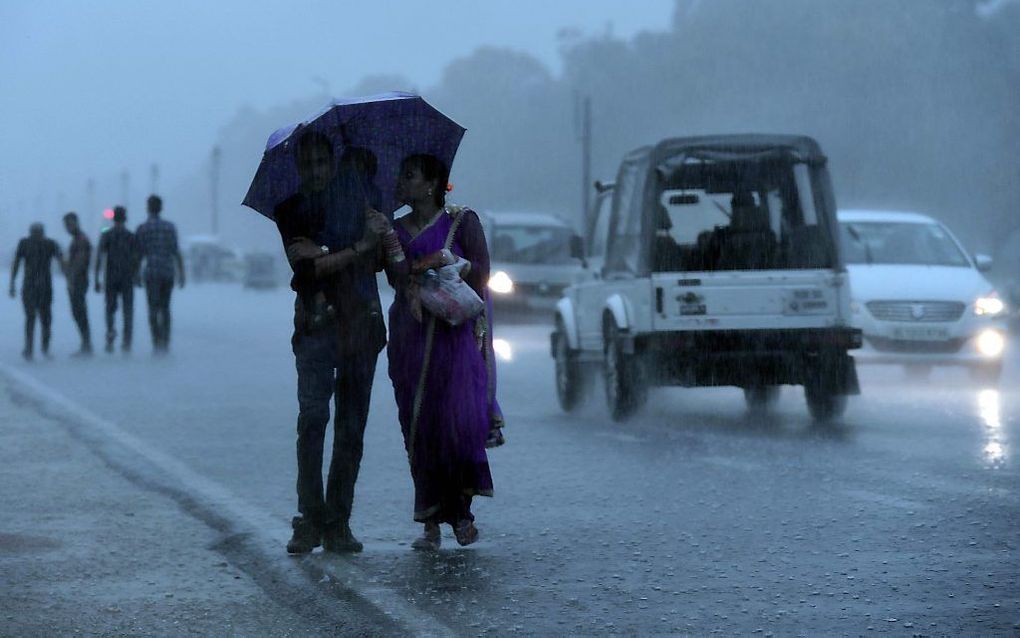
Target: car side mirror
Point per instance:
(577, 249)
(983, 262)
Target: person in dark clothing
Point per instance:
(36, 251)
(157, 241)
(118, 248)
(78, 255)
(331, 236)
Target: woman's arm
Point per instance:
(472, 240)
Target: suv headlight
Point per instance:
(500, 283)
(989, 306)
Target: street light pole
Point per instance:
(584, 136)
(214, 175)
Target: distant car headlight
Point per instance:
(989, 306)
(991, 343)
(503, 349)
(500, 283)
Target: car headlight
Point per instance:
(500, 283)
(991, 343)
(989, 306)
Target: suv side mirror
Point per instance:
(577, 249)
(983, 262)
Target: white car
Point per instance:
(919, 297)
(530, 260)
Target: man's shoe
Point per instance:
(339, 539)
(26, 354)
(306, 537)
(430, 541)
(83, 353)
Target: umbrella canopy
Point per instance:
(391, 125)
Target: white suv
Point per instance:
(711, 261)
(920, 299)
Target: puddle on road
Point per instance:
(995, 451)
(21, 543)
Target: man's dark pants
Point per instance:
(157, 291)
(123, 290)
(325, 373)
(76, 291)
(38, 302)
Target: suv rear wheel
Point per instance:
(625, 389)
(823, 403)
(569, 379)
(760, 398)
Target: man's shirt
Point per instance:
(353, 292)
(78, 256)
(36, 254)
(157, 241)
(121, 249)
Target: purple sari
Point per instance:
(447, 450)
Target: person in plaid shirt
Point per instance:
(157, 242)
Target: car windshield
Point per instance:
(521, 244)
(900, 243)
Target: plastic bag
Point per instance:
(447, 296)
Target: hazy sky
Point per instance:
(93, 88)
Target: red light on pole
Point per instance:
(108, 214)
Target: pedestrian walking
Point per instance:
(440, 373)
(333, 247)
(36, 251)
(157, 241)
(79, 253)
(117, 259)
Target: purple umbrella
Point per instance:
(391, 125)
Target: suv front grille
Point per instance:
(928, 311)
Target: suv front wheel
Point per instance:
(569, 379)
(625, 389)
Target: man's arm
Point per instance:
(18, 256)
(58, 254)
(178, 258)
(100, 252)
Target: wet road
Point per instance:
(691, 518)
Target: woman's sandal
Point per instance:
(466, 532)
(430, 540)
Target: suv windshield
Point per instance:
(521, 244)
(900, 243)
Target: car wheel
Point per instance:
(988, 373)
(569, 379)
(823, 403)
(625, 391)
(760, 398)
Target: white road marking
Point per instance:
(270, 532)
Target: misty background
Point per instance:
(914, 102)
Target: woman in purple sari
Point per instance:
(443, 384)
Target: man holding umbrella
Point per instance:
(338, 330)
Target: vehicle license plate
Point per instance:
(693, 308)
(921, 334)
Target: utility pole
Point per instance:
(90, 204)
(125, 187)
(584, 136)
(214, 176)
(154, 178)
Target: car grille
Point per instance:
(881, 344)
(928, 311)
